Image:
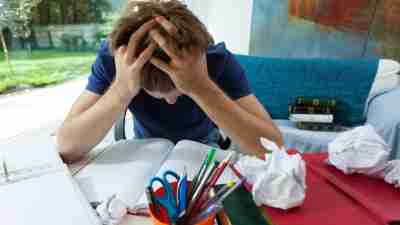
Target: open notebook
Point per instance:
(40, 189)
(126, 168)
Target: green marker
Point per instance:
(206, 163)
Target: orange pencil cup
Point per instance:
(161, 218)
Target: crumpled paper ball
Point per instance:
(363, 151)
(360, 150)
(279, 181)
(112, 211)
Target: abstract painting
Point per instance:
(326, 28)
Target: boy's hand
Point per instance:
(187, 69)
(128, 67)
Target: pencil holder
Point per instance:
(161, 218)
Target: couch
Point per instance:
(380, 104)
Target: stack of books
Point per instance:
(314, 114)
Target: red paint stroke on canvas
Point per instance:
(343, 14)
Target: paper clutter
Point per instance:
(363, 151)
(112, 211)
(279, 181)
(360, 150)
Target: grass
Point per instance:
(43, 67)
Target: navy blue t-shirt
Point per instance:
(184, 119)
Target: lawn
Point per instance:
(43, 67)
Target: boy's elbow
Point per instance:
(69, 152)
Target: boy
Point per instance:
(160, 62)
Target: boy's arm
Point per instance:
(88, 121)
(244, 120)
(92, 115)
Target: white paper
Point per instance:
(29, 152)
(47, 200)
(279, 181)
(392, 173)
(124, 170)
(360, 150)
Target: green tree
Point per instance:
(5, 17)
(21, 18)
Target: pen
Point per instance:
(196, 196)
(218, 194)
(6, 175)
(182, 194)
(203, 168)
(219, 198)
(216, 176)
(213, 209)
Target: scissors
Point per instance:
(169, 199)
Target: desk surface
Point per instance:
(136, 220)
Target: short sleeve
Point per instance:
(100, 78)
(233, 80)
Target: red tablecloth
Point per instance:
(333, 198)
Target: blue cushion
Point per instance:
(278, 82)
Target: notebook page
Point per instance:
(191, 154)
(47, 200)
(123, 169)
(29, 151)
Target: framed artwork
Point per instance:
(326, 28)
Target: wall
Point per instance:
(227, 20)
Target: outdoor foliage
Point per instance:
(21, 16)
(40, 66)
(70, 11)
(44, 67)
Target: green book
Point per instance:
(316, 102)
(241, 209)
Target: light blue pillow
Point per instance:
(278, 82)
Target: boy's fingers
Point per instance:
(146, 54)
(161, 65)
(119, 53)
(136, 37)
(162, 42)
(168, 26)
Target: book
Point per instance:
(314, 118)
(36, 187)
(310, 110)
(241, 209)
(125, 168)
(321, 126)
(311, 101)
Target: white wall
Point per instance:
(228, 21)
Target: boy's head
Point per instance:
(191, 34)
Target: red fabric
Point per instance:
(381, 199)
(367, 202)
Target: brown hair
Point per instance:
(191, 34)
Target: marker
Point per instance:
(219, 198)
(213, 209)
(203, 169)
(216, 176)
(218, 194)
(194, 203)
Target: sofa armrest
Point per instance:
(383, 113)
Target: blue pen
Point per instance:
(182, 194)
(212, 209)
